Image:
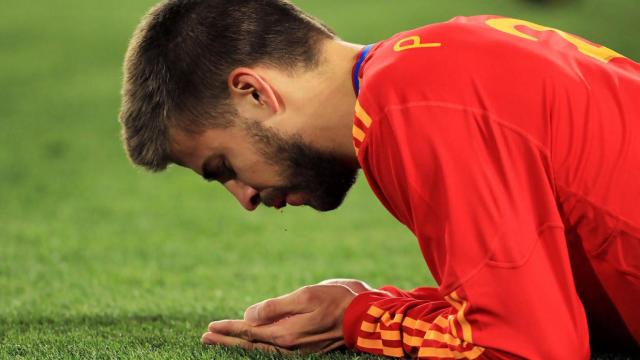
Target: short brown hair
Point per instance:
(179, 58)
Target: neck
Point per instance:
(324, 99)
(338, 99)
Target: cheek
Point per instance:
(259, 173)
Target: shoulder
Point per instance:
(426, 49)
(416, 65)
(440, 60)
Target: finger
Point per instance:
(236, 328)
(287, 333)
(301, 332)
(210, 338)
(272, 310)
(269, 334)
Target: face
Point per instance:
(259, 165)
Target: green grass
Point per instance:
(98, 260)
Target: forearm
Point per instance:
(400, 326)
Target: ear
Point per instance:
(248, 89)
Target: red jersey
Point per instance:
(512, 151)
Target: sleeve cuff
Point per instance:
(355, 313)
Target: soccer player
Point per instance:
(510, 149)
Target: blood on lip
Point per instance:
(280, 204)
(294, 200)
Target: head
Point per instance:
(211, 85)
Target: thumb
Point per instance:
(273, 310)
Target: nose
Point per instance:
(247, 196)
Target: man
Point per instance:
(511, 150)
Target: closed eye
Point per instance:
(221, 171)
(209, 176)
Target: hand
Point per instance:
(357, 286)
(308, 320)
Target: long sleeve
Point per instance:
(418, 323)
(478, 194)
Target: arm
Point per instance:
(487, 224)
(478, 193)
(417, 323)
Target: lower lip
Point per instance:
(280, 205)
(295, 200)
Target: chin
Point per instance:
(324, 208)
(327, 203)
(332, 196)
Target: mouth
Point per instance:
(295, 199)
(283, 200)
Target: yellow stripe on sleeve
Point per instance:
(375, 311)
(452, 326)
(443, 338)
(456, 297)
(377, 344)
(416, 324)
(369, 343)
(413, 341)
(442, 322)
(395, 352)
(357, 133)
(432, 352)
(453, 302)
(475, 352)
(466, 328)
(388, 321)
(390, 334)
(369, 327)
(447, 353)
(362, 115)
(464, 324)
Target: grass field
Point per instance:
(98, 260)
